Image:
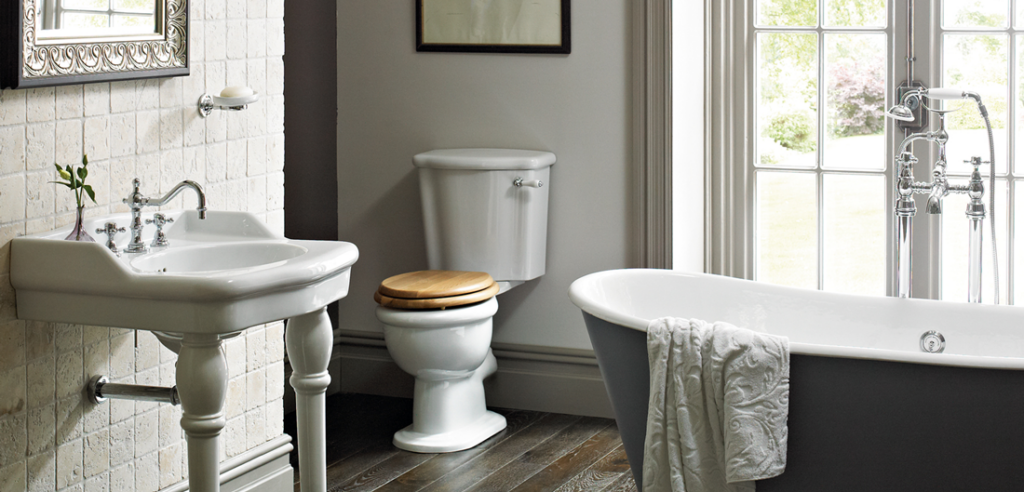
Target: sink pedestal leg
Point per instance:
(202, 379)
(309, 340)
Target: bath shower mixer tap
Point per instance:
(939, 188)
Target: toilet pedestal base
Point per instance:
(450, 414)
(464, 437)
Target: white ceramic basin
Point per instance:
(218, 259)
(219, 275)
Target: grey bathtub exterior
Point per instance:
(858, 425)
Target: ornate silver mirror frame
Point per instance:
(28, 61)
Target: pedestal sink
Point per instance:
(219, 276)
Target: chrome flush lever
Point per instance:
(533, 183)
(111, 230)
(159, 220)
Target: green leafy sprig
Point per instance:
(74, 178)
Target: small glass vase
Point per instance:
(78, 232)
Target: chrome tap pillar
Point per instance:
(976, 216)
(905, 211)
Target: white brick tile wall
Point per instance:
(12, 390)
(13, 479)
(70, 101)
(148, 94)
(99, 483)
(69, 142)
(170, 465)
(235, 405)
(122, 478)
(42, 472)
(12, 149)
(236, 9)
(50, 438)
(122, 96)
(41, 380)
(96, 453)
(42, 145)
(69, 420)
(69, 463)
(97, 99)
(13, 107)
(255, 389)
(42, 427)
(42, 104)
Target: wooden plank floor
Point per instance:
(537, 452)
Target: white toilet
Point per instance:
(485, 214)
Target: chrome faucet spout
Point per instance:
(136, 201)
(200, 194)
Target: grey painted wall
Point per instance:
(394, 102)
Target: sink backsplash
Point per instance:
(50, 437)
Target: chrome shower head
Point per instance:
(900, 112)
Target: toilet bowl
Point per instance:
(441, 334)
(485, 223)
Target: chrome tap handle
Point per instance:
(111, 230)
(134, 199)
(159, 220)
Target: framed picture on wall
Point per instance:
(493, 26)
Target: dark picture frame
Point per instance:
(457, 27)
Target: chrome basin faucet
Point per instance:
(136, 201)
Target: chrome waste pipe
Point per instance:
(100, 389)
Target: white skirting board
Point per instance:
(528, 378)
(264, 468)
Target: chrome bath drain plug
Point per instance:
(933, 342)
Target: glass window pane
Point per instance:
(976, 63)
(858, 13)
(148, 6)
(787, 99)
(1019, 100)
(86, 4)
(854, 101)
(787, 12)
(955, 246)
(787, 229)
(855, 226)
(974, 13)
(74, 20)
(1018, 245)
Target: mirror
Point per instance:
(59, 42)
(95, 18)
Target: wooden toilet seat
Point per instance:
(435, 289)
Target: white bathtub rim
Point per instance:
(579, 296)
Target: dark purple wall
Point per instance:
(311, 122)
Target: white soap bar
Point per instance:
(236, 91)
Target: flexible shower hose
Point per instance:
(991, 195)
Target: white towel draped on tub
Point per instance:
(716, 419)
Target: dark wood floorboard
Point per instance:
(536, 452)
(573, 463)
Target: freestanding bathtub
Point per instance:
(870, 410)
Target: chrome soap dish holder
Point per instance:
(230, 99)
